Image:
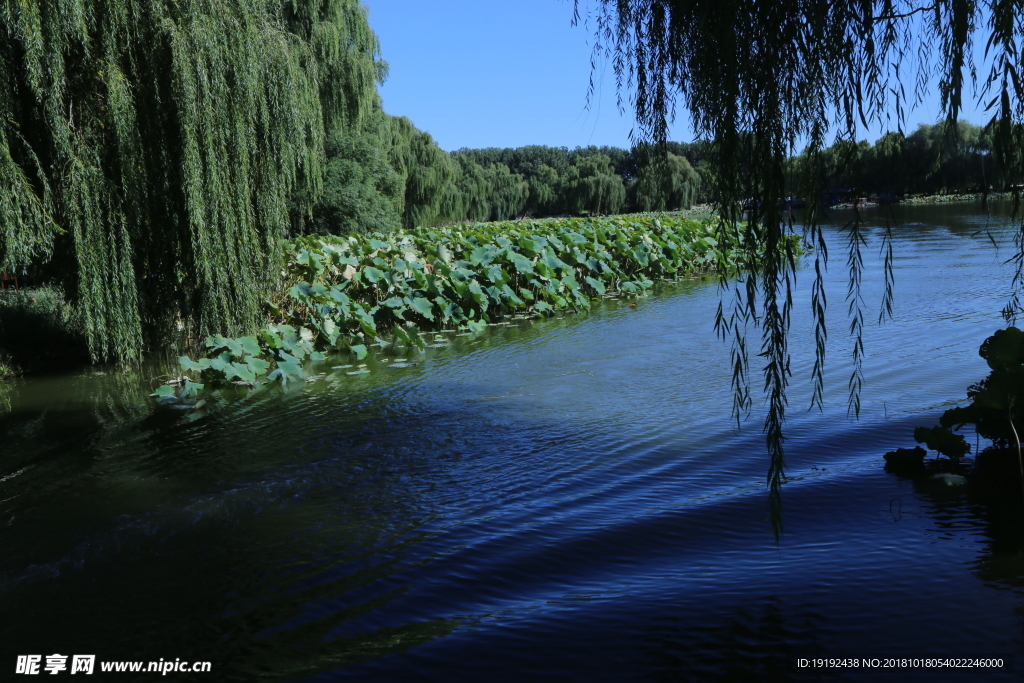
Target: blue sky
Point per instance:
(487, 73)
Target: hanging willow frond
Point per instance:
(757, 77)
(165, 139)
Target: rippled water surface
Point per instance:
(564, 499)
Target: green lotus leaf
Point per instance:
(291, 370)
(188, 364)
(424, 307)
(164, 390)
(249, 345)
(258, 365)
(523, 265)
(478, 294)
(287, 357)
(479, 255)
(510, 295)
(243, 372)
(272, 339)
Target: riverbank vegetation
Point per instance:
(151, 163)
(348, 293)
(153, 179)
(149, 157)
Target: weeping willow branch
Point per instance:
(885, 312)
(757, 77)
(855, 309)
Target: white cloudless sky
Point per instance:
(508, 73)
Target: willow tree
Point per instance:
(665, 183)
(592, 186)
(545, 192)
(760, 78)
(428, 171)
(148, 150)
(508, 192)
(472, 191)
(362, 191)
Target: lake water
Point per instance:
(562, 499)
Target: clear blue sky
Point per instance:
(490, 73)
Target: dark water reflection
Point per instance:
(563, 499)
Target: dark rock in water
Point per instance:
(901, 455)
(905, 460)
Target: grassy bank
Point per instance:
(346, 293)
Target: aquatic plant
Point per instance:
(997, 402)
(345, 293)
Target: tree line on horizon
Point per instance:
(934, 159)
(388, 174)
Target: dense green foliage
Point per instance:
(491, 184)
(350, 292)
(149, 150)
(932, 160)
(664, 184)
(363, 189)
(495, 184)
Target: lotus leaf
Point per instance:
(242, 372)
(257, 365)
(249, 345)
(424, 307)
(164, 391)
(596, 284)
